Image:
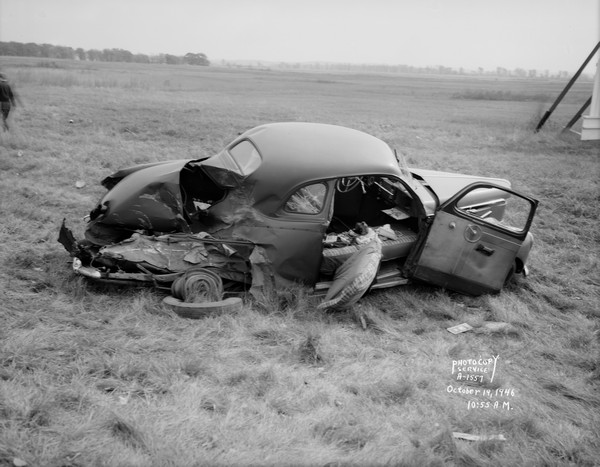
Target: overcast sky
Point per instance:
(531, 34)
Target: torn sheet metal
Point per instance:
(262, 271)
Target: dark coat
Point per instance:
(6, 93)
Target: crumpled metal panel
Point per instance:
(148, 199)
(179, 252)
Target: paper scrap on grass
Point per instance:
(470, 437)
(464, 327)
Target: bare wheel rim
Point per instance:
(198, 285)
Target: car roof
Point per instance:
(295, 153)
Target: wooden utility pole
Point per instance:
(566, 89)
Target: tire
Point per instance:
(201, 310)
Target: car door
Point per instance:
(293, 238)
(474, 238)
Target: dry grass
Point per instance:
(104, 376)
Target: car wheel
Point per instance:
(198, 285)
(198, 293)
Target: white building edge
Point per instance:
(590, 128)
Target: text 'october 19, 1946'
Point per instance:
(475, 371)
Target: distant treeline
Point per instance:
(386, 68)
(19, 49)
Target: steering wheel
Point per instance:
(346, 184)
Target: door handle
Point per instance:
(485, 250)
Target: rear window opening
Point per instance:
(246, 157)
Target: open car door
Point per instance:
(474, 239)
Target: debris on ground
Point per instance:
(470, 437)
(459, 328)
(497, 327)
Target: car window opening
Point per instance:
(377, 201)
(500, 208)
(307, 200)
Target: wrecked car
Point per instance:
(281, 203)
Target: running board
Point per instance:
(389, 283)
(387, 277)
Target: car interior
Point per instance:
(384, 205)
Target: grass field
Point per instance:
(104, 376)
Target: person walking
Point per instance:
(7, 99)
